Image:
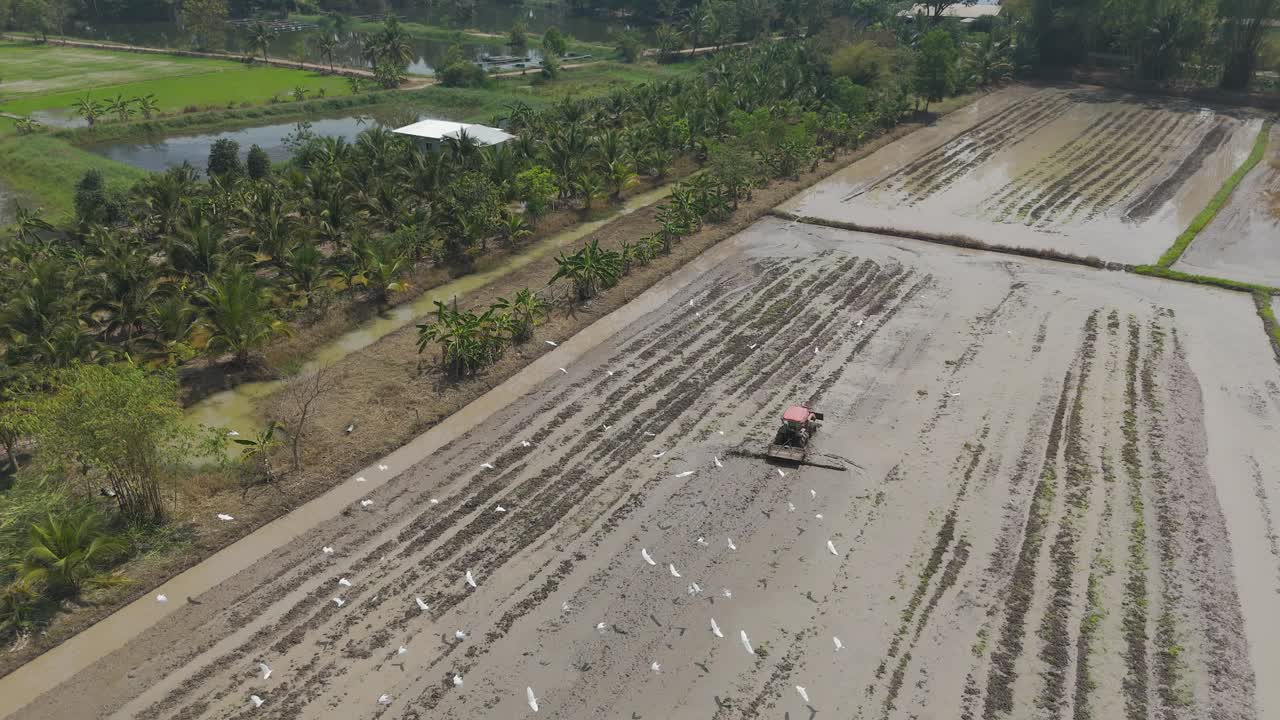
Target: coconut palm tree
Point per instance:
(325, 45)
(260, 38)
(237, 314)
(381, 262)
(513, 229)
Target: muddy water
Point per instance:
(987, 419)
(1243, 241)
(1081, 171)
(237, 408)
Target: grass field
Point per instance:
(50, 78)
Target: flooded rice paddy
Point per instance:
(1083, 171)
(1243, 240)
(1057, 503)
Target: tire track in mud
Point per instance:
(1153, 200)
(485, 536)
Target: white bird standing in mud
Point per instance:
(727, 593)
(859, 323)
(422, 605)
(266, 671)
(344, 582)
(686, 473)
(257, 701)
(660, 453)
(487, 466)
(715, 629)
(384, 699)
(339, 601)
(550, 343)
(731, 545)
(162, 598)
(232, 433)
(673, 570)
(791, 507)
(327, 550)
(471, 580)
(702, 541)
(718, 463)
(804, 694)
(457, 681)
(600, 626)
(694, 588)
(831, 546)
(360, 479)
(839, 645)
(654, 666)
(566, 372)
(746, 642)
(500, 509)
(526, 443)
(533, 700)
(459, 635)
(780, 473)
(365, 503)
(813, 493)
(382, 467)
(645, 554)
(402, 650)
(224, 517)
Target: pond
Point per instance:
(161, 153)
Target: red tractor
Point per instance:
(791, 442)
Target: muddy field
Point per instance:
(1243, 241)
(1060, 501)
(1079, 170)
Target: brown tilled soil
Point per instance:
(392, 402)
(1059, 502)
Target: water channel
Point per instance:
(237, 409)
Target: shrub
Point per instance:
(864, 63)
(224, 158)
(462, 73)
(258, 164)
(554, 42)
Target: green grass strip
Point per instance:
(1167, 274)
(1268, 314)
(1180, 245)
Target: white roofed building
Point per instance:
(431, 133)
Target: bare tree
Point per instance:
(298, 401)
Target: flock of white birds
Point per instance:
(470, 580)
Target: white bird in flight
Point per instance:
(731, 545)
(471, 579)
(746, 642)
(366, 503)
(654, 666)
(660, 453)
(645, 554)
(339, 601)
(607, 427)
(344, 582)
(673, 570)
(780, 473)
(360, 479)
(533, 700)
(384, 699)
(686, 473)
(487, 466)
(402, 650)
(266, 671)
(257, 701)
(459, 635)
(726, 592)
(550, 343)
(718, 463)
(381, 466)
(457, 681)
(566, 372)
(327, 550)
(831, 546)
(224, 517)
(715, 629)
(839, 645)
(162, 599)
(422, 605)
(804, 695)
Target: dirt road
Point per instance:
(1058, 472)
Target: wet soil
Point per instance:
(1243, 240)
(1060, 501)
(1074, 169)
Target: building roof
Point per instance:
(967, 12)
(441, 129)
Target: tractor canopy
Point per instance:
(797, 414)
